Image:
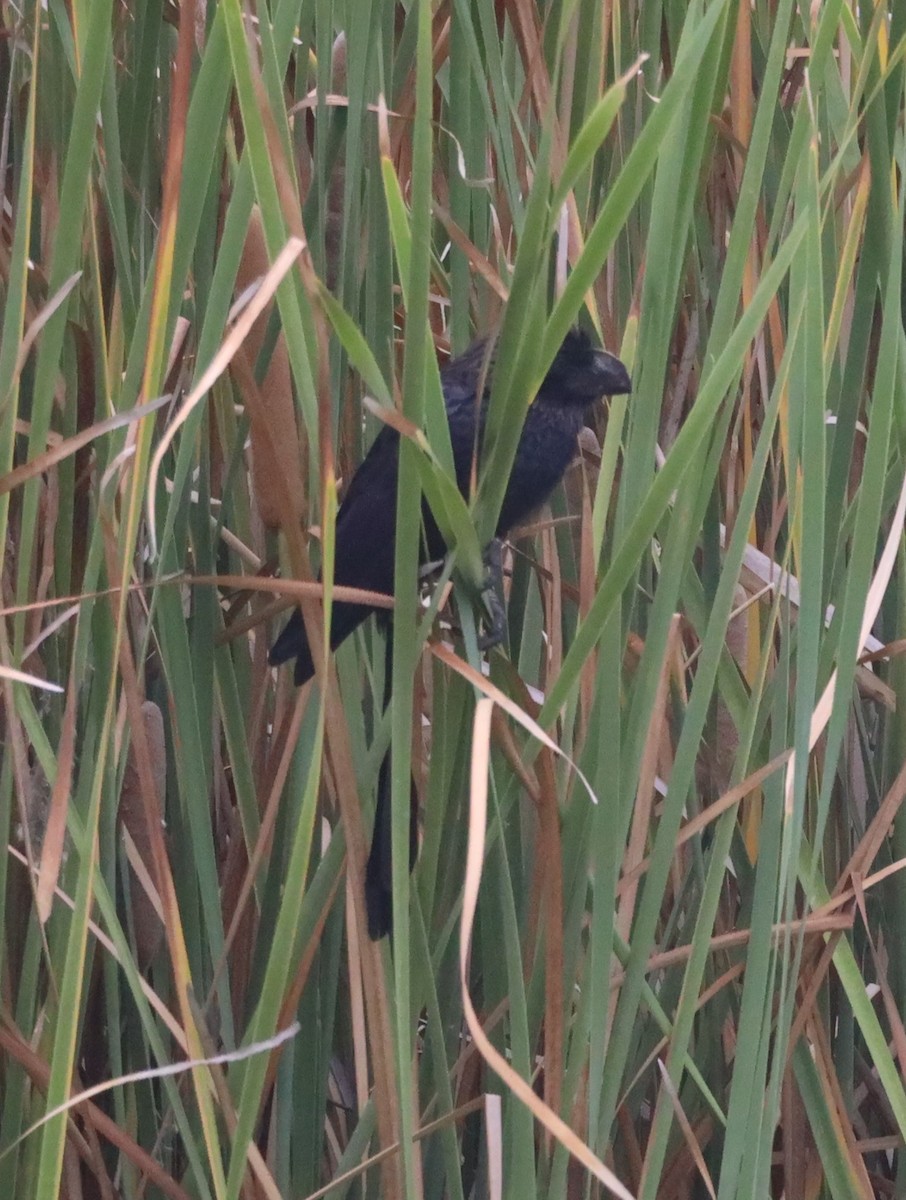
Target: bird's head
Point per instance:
(580, 374)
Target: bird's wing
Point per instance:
(366, 522)
(460, 379)
(363, 551)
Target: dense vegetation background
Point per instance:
(222, 229)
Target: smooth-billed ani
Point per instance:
(366, 521)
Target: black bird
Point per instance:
(366, 521)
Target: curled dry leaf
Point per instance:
(521, 1088)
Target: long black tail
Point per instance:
(379, 869)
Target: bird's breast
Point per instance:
(546, 448)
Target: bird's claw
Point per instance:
(492, 597)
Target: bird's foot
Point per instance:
(492, 597)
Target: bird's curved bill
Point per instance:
(612, 375)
